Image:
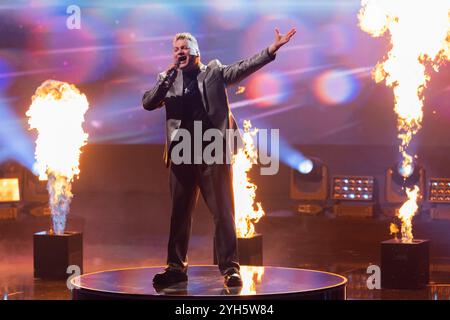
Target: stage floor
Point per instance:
(343, 246)
(205, 282)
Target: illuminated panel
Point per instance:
(9, 190)
(353, 188)
(439, 190)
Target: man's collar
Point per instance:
(201, 68)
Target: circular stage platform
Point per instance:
(206, 282)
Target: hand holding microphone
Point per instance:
(172, 72)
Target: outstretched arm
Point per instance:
(237, 71)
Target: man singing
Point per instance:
(191, 93)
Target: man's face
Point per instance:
(181, 48)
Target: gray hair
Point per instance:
(193, 44)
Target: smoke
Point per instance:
(59, 188)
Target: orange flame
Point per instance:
(246, 211)
(250, 277)
(407, 212)
(393, 229)
(240, 90)
(57, 113)
(420, 33)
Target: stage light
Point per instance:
(439, 197)
(20, 188)
(268, 88)
(309, 185)
(405, 171)
(439, 190)
(306, 166)
(9, 190)
(5, 68)
(9, 197)
(353, 195)
(353, 188)
(398, 179)
(14, 140)
(336, 87)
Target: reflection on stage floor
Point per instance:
(205, 282)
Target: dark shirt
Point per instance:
(193, 109)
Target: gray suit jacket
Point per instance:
(212, 82)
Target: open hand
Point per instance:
(281, 39)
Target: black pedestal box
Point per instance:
(250, 251)
(54, 253)
(404, 265)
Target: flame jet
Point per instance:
(57, 113)
(420, 35)
(246, 211)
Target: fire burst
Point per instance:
(406, 213)
(246, 211)
(251, 275)
(57, 113)
(420, 34)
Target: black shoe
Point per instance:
(233, 280)
(169, 277)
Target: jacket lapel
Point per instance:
(200, 79)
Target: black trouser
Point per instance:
(216, 185)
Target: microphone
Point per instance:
(170, 77)
(180, 60)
